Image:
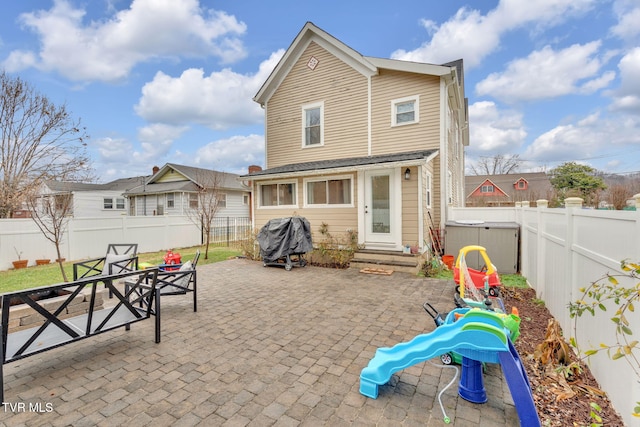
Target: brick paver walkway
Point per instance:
(266, 347)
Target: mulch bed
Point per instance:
(560, 401)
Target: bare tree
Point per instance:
(618, 196)
(496, 165)
(209, 199)
(51, 213)
(39, 141)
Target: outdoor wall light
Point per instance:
(407, 174)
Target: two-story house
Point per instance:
(362, 143)
(507, 189)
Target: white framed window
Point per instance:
(171, 200)
(222, 200)
(245, 199)
(313, 125)
(486, 189)
(278, 194)
(193, 200)
(328, 192)
(405, 111)
(107, 203)
(113, 203)
(428, 189)
(120, 203)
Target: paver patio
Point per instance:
(266, 347)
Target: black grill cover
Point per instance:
(284, 236)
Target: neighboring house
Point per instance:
(92, 200)
(174, 189)
(506, 190)
(361, 143)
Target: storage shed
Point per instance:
(501, 239)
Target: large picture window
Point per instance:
(405, 111)
(313, 125)
(278, 194)
(333, 191)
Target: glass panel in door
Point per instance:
(380, 204)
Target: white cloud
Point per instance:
(628, 13)
(548, 73)
(589, 139)
(493, 131)
(221, 100)
(473, 36)
(233, 154)
(156, 139)
(627, 97)
(108, 50)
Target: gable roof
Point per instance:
(493, 184)
(366, 65)
(194, 179)
(538, 183)
(349, 164)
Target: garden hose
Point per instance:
(446, 419)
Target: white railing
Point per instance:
(563, 250)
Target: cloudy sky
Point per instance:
(157, 81)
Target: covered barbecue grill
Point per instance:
(283, 238)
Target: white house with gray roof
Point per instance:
(93, 200)
(173, 189)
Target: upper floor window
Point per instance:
(245, 199)
(405, 111)
(313, 124)
(521, 185)
(335, 191)
(486, 189)
(278, 194)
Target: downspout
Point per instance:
(369, 115)
(444, 158)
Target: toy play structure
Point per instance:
(487, 276)
(479, 336)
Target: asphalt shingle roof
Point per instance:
(341, 163)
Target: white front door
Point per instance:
(382, 209)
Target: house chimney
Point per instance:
(254, 169)
(155, 170)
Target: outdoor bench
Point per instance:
(78, 311)
(120, 257)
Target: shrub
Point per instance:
(334, 251)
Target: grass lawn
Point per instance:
(43, 275)
(507, 280)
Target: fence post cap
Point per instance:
(573, 202)
(542, 203)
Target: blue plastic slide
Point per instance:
(476, 336)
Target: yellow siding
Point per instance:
(410, 209)
(171, 176)
(344, 93)
(391, 85)
(339, 219)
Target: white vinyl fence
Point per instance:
(89, 237)
(563, 250)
